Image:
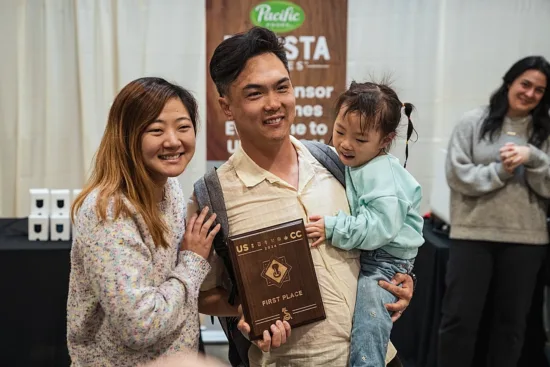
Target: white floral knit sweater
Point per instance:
(130, 301)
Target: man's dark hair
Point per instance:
(231, 55)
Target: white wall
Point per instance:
(64, 60)
(445, 57)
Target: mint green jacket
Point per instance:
(384, 199)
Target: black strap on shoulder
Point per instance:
(208, 192)
(328, 158)
(216, 201)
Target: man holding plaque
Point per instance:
(271, 179)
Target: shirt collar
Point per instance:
(251, 174)
(247, 170)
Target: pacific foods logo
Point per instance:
(278, 16)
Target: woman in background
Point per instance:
(135, 276)
(498, 169)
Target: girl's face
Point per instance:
(168, 143)
(525, 93)
(356, 147)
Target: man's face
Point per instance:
(261, 101)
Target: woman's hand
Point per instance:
(199, 235)
(512, 156)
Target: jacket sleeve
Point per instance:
(376, 224)
(537, 172)
(119, 267)
(465, 176)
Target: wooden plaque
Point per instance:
(275, 276)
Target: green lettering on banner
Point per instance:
(278, 16)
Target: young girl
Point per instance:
(135, 276)
(384, 200)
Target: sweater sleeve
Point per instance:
(119, 267)
(465, 176)
(537, 172)
(376, 224)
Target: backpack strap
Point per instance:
(208, 192)
(328, 158)
(215, 200)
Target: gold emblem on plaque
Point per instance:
(276, 271)
(287, 316)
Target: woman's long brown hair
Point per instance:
(119, 169)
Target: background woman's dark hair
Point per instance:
(498, 104)
(231, 55)
(379, 108)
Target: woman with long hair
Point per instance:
(135, 269)
(498, 169)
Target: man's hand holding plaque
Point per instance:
(276, 336)
(276, 282)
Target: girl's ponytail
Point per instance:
(410, 129)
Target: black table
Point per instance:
(35, 280)
(415, 335)
(34, 288)
(34, 285)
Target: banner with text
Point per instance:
(315, 35)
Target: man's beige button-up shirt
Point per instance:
(255, 198)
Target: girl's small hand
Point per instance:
(316, 229)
